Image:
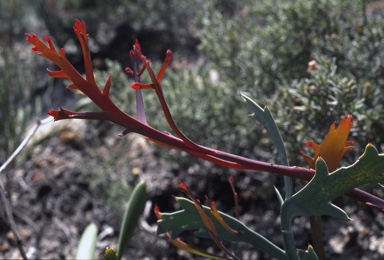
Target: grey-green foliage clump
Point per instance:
(205, 109)
(306, 108)
(264, 47)
(18, 78)
(264, 43)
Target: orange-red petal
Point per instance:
(334, 145)
(216, 214)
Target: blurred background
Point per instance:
(75, 172)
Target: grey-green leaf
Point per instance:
(189, 219)
(135, 208)
(87, 245)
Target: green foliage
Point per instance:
(328, 186)
(264, 116)
(263, 48)
(197, 97)
(189, 219)
(314, 199)
(135, 208)
(110, 180)
(265, 43)
(305, 106)
(17, 78)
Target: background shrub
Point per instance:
(264, 47)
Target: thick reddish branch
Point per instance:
(114, 114)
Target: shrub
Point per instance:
(263, 47)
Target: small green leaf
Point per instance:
(135, 208)
(87, 245)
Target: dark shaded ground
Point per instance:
(58, 190)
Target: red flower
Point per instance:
(86, 85)
(334, 145)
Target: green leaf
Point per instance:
(265, 117)
(315, 198)
(189, 219)
(135, 208)
(87, 245)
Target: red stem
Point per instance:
(114, 114)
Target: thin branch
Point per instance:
(11, 220)
(30, 134)
(4, 200)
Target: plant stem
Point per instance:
(11, 221)
(317, 236)
(3, 199)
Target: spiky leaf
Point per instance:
(189, 219)
(316, 197)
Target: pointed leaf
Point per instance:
(135, 208)
(308, 254)
(264, 116)
(87, 245)
(279, 197)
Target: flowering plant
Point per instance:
(325, 181)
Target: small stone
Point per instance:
(136, 171)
